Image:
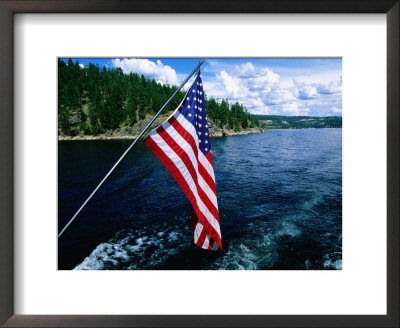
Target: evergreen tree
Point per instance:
(92, 100)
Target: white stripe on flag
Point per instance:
(189, 151)
(170, 153)
(197, 232)
(190, 128)
(206, 241)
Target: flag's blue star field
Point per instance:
(194, 110)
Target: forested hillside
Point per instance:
(94, 100)
(299, 122)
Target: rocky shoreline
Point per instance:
(132, 132)
(119, 136)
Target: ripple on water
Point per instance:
(280, 207)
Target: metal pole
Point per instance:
(129, 148)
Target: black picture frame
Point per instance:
(10, 7)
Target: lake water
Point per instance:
(279, 196)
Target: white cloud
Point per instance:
(234, 86)
(314, 76)
(163, 74)
(278, 96)
(81, 66)
(305, 90)
(336, 110)
(294, 110)
(245, 70)
(213, 88)
(263, 81)
(262, 91)
(255, 88)
(254, 104)
(266, 110)
(257, 106)
(330, 88)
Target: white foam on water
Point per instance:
(143, 248)
(337, 265)
(173, 236)
(316, 200)
(255, 251)
(247, 256)
(151, 247)
(102, 255)
(308, 264)
(238, 257)
(288, 228)
(332, 263)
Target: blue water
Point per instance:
(279, 195)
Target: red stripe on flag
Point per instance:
(185, 187)
(202, 237)
(190, 140)
(193, 223)
(189, 165)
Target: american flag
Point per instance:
(182, 144)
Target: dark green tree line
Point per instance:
(92, 100)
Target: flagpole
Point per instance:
(129, 148)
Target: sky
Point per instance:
(271, 86)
